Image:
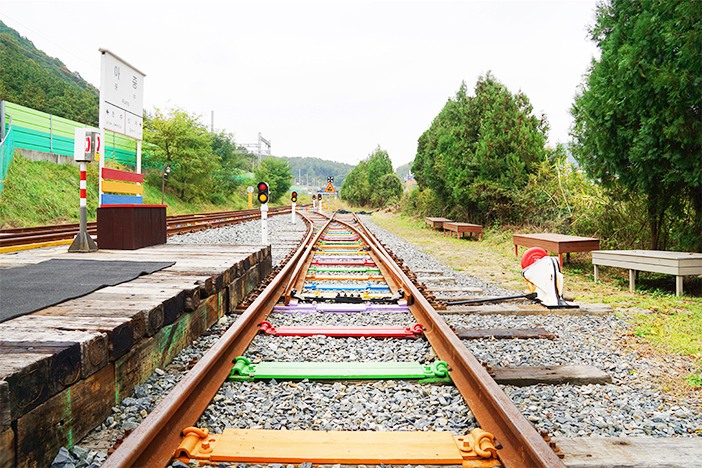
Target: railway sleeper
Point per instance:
(477, 449)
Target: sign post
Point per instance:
(263, 195)
(86, 145)
(250, 190)
(121, 102)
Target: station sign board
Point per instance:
(121, 96)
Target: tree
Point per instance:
(178, 140)
(232, 161)
(276, 172)
(372, 181)
(42, 84)
(479, 151)
(638, 121)
(355, 188)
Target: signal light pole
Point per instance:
(294, 202)
(263, 195)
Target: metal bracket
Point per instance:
(197, 443)
(477, 445)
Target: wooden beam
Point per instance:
(64, 419)
(514, 309)
(118, 330)
(522, 376)
(7, 448)
(630, 452)
(504, 333)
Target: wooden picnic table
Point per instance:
(658, 261)
(559, 243)
(436, 222)
(460, 228)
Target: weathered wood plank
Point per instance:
(98, 310)
(157, 351)
(515, 309)
(463, 289)
(146, 316)
(40, 363)
(435, 279)
(5, 416)
(64, 419)
(7, 448)
(522, 376)
(118, 330)
(193, 292)
(504, 333)
(631, 452)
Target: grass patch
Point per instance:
(42, 192)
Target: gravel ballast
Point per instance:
(631, 405)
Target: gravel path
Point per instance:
(632, 405)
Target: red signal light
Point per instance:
(263, 192)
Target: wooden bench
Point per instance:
(658, 261)
(559, 243)
(460, 228)
(436, 222)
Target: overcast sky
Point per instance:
(327, 79)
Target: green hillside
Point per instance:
(317, 170)
(31, 78)
(403, 170)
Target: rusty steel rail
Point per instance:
(153, 442)
(522, 445)
(176, 224)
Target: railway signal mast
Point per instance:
(86, 144)
(263, 195)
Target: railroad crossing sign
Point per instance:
(330, 179)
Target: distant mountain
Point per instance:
(317, 170)
(31, 78)
(405, 169)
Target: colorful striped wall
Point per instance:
(39, 131)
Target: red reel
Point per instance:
(532, 255)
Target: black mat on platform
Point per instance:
(30, 288)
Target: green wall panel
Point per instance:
(39, 131)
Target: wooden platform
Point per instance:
(436, 222)
(559, 243)
(460, 228)
(63, 368)
(658, 261)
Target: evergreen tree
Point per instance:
(479, 151)
(638, 118)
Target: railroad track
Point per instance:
(42, 236)
(339, 267)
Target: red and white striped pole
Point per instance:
(83, 190)
(83, 242)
